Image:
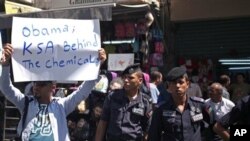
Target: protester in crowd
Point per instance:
(44, 110)
(100, 90)
(94, 119)
(156, 79)
(194, 88)
(218, 107)
(164, 91)
(179, 117)
(145, 88)
(71, 127)
(240, 88)
(126, 112)
(116, 83)
(81, 132)
(239, 115)
(225, 82)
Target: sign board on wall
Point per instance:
(55, 49)
(75, 3)
(13, 8)
(118, 62)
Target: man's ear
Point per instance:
(188, 83)
(141, 80)
(54, 86)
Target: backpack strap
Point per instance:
(25, 111)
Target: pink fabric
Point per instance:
(114, 75)
(146, 79)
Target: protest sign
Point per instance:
(55, 49)
(118, 62)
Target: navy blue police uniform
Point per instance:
(238, 115)
(128, 120)
(170, 124)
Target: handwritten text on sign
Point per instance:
(55, 49)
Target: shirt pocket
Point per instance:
(116, 114)
(169, 118)
(135, 118)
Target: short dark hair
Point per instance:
(240, 73)
(224, 79)
(154, 75)
(43, 83)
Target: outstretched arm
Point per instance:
(9, 91)
(221, 131)
(83, 90)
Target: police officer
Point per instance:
(126, 112)
(239, 115)
(179, 117)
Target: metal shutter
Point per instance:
(213, 39)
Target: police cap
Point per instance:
(175, 73)
(132, 69)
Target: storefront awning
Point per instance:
(102, 12)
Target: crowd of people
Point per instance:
(129, 106)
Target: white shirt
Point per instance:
(154, 92)
(221, 108)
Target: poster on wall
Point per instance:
(118, 62)
(55, 49)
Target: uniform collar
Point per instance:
(138, 99)
(124, 96)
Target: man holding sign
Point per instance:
(46, 115)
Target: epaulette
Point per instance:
(197, 99)
(147, 97)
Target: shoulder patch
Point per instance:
(147, 97)
(197, 99)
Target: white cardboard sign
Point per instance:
(55, 49)
(118, 62)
